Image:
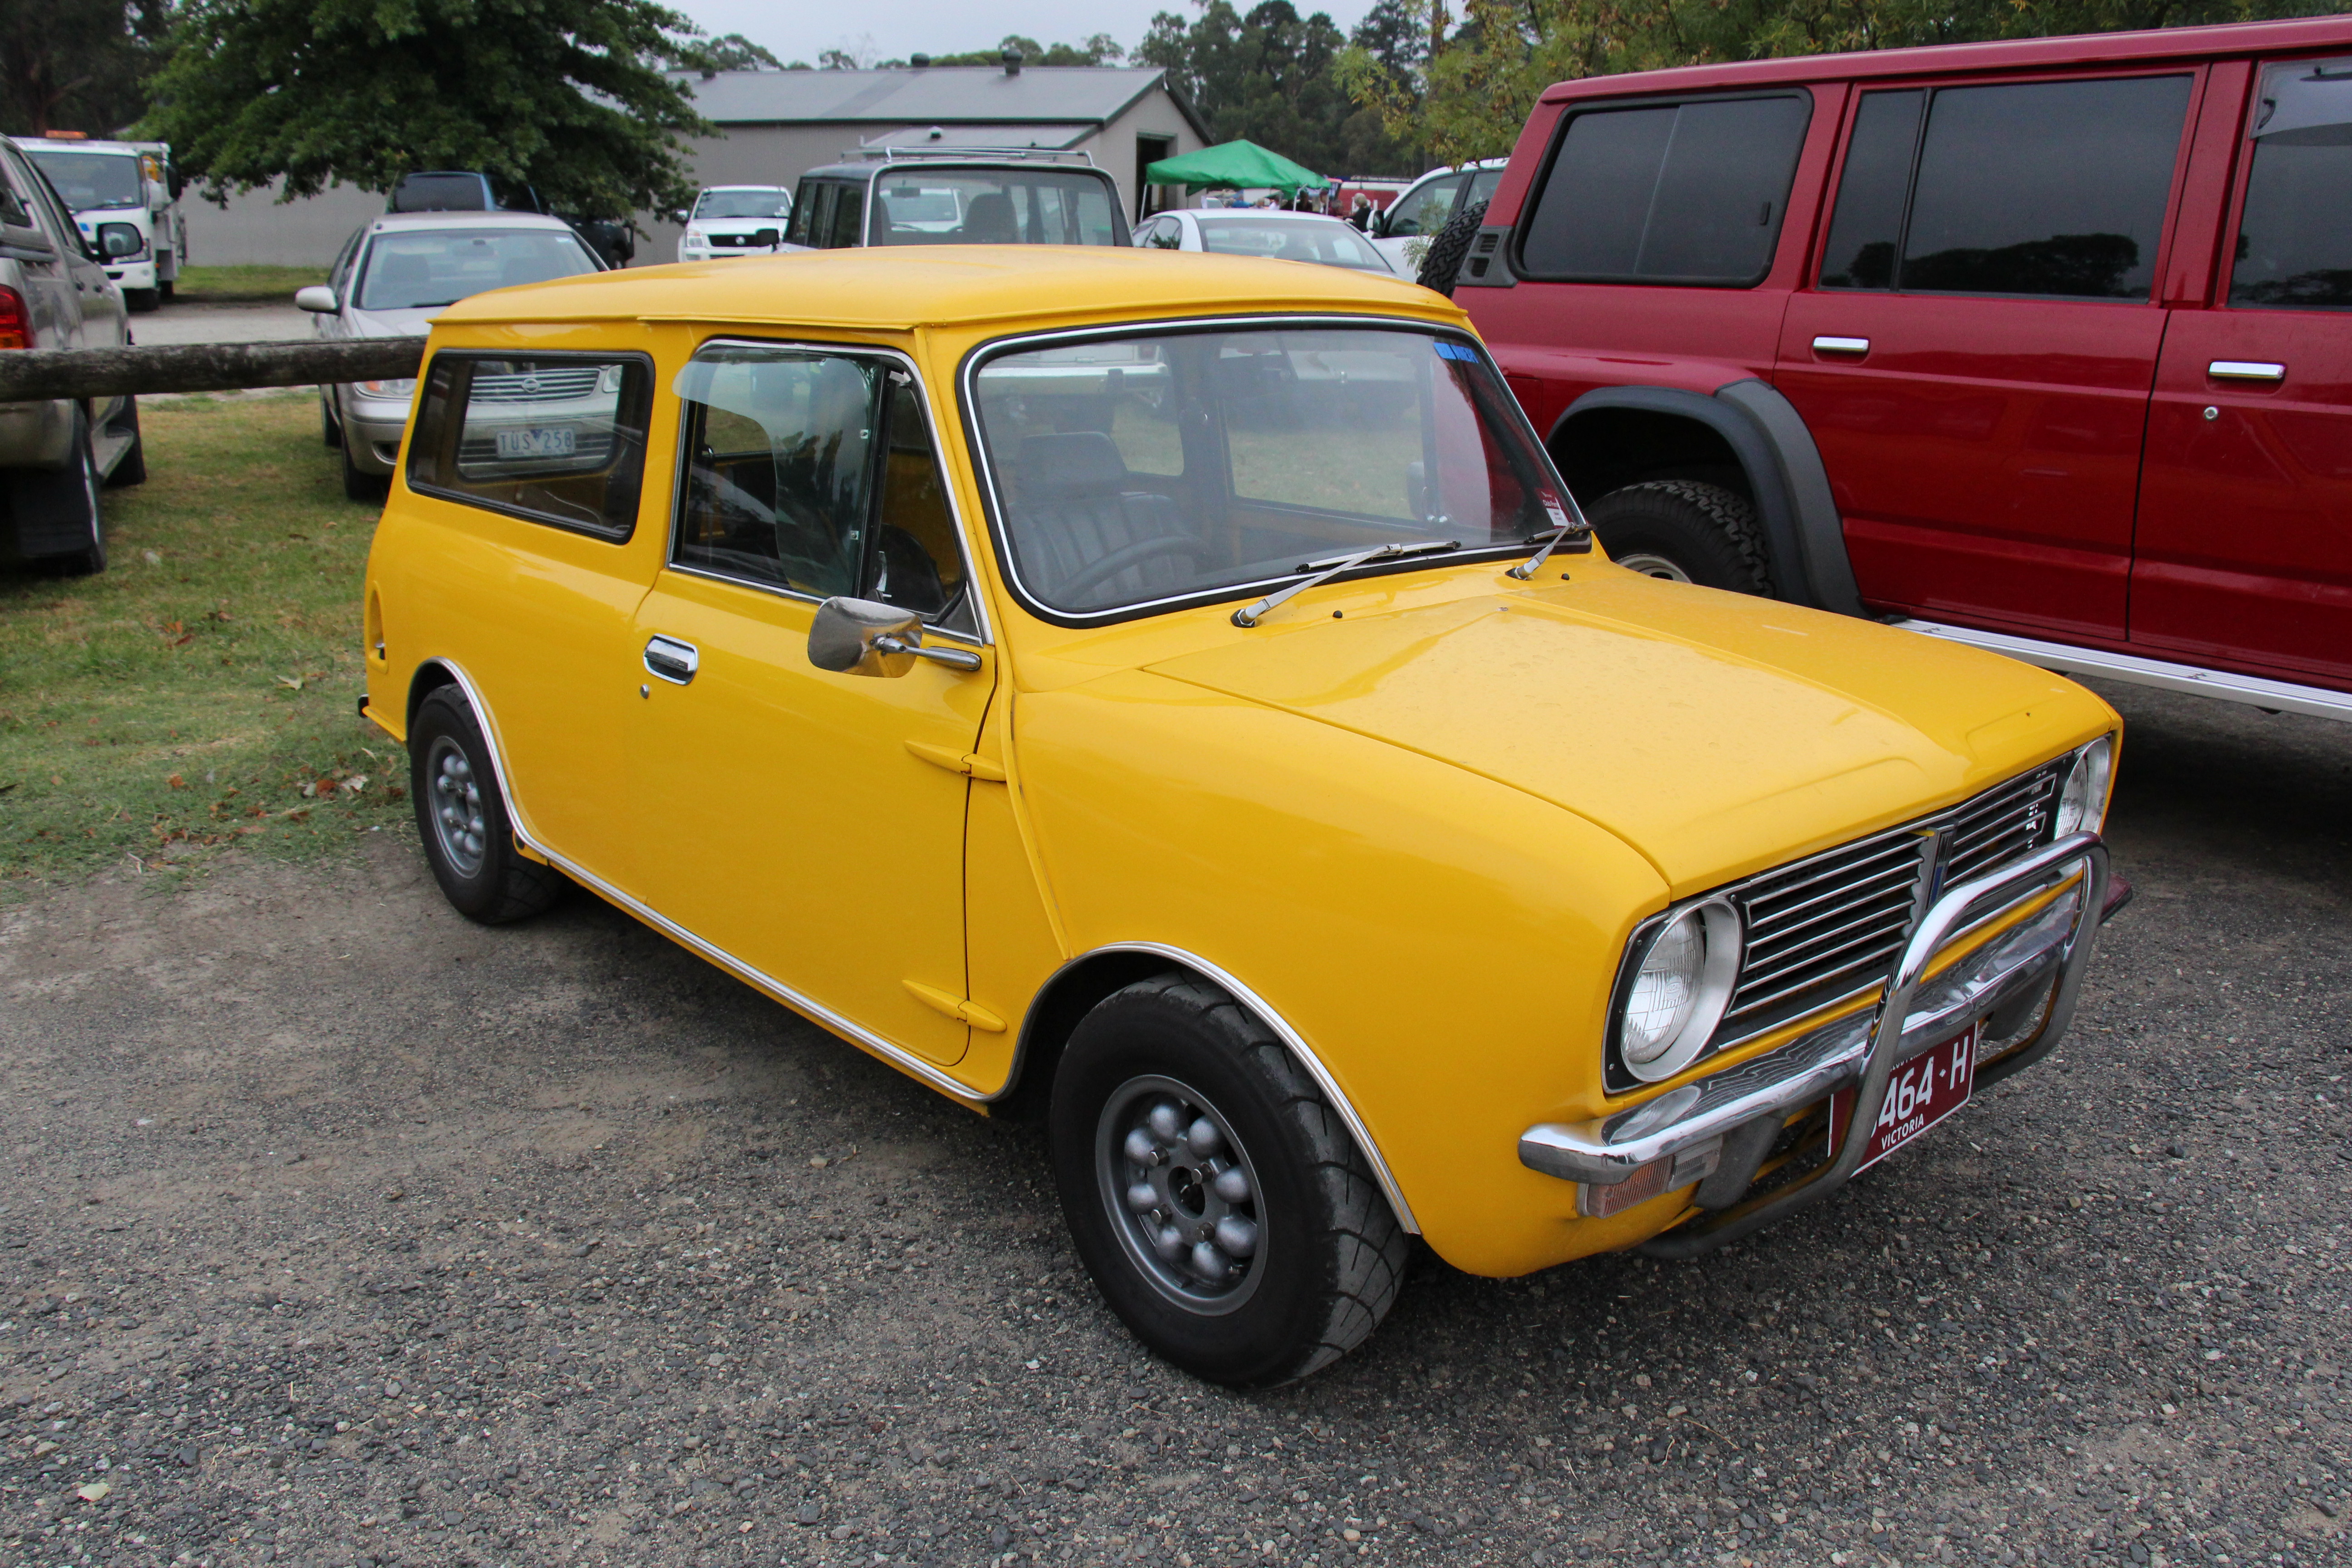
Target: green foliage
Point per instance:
(734, 52)
(1268, 74)
(1471, 98)
(1101, 49)
(76, 65)
(566, 95)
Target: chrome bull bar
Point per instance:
(1863, 1050)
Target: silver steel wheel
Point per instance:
(1650, 565)
(456, 807)
(1182, 1195)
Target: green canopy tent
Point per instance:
(1234, 166)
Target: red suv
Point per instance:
(2045, 345)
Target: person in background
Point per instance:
(1360, 215)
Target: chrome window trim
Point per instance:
(983, 635)
(985, 473)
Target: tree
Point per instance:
(734, 52)
(1268, 74)
(76, 65)
(569, 96)
(1101, 49)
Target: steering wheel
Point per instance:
(1127, 555)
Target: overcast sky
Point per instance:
(893, 29)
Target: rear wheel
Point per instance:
(1216, 1198)
(461, 816)
(1686, 531)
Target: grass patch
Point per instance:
(201, 693)
(242, 285)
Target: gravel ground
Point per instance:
(336, 1230)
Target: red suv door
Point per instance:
(1975, 355)
(2245, 527)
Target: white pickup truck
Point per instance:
(56, 454)
(125, 198)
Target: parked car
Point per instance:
(1408, 224)
(735, 220)
(961, 195)
(125, 198)
(614, 239)
(390, 279)
(1178, 702)
(2044, 346)
(57, 456)
(1275, 235)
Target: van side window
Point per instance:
(1674, 193)
(811, 210)
(559, 440)
(2294, 240)
(2053, 189)
(814, 472)
(848, 225)
(1430, 206)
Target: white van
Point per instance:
(125, 195)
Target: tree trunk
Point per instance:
(31, 376)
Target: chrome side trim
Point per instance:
(1609, 1149)
(2287, 696)
(1293, 1042)
(897, 1055)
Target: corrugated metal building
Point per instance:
(777, 124)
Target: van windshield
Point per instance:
(1011, 207)
(91, 180)
(1148, 467)
(416, 269)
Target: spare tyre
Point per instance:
(1442, 262)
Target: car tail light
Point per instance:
(15, 325)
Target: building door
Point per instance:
(2246, 527)
(1974, 361)
(1149, 150)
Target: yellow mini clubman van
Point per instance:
(1173, 697)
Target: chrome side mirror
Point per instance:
(318, 299)
(858, 636)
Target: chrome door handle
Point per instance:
(2245, 370)
(672, 660)
(1841, 346)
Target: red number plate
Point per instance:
(1919, 1093)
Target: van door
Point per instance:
(809, 825)
(1975, 355)
(2245, 525)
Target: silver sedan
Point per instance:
(1264, 232)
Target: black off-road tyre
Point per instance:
(1687, 532)
(461, 816)
(1329, 1256)
(1441, 263)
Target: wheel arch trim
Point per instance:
(1769, 440)
(1259, 1008)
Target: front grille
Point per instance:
(544, 385)
(1834, 924)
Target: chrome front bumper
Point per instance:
(1864, 1048)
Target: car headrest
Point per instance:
(988, 219)
(1075, 463)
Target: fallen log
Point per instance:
(34, 375)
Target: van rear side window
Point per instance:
(1667, 193)
(555, 439)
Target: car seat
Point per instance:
(1076, 508)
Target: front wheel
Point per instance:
(1684, 531)
(461, 816)
(359, 485)
(138, 301)
(1214, 1196)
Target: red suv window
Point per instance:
(2295, 242)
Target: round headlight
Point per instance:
(1679, 990)
(2083, 798)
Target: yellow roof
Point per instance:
(897, 289)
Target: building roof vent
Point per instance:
(1012, 62)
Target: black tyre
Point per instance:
(1216, 1198)
(138, 301)
(1441, 263)
(167, 287)
(1686, 531)
(461, 816)
(59, 525)
(329, 432)
(130, 468)
(358, 483)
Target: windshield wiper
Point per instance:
(1250, 615)
(1569, 522)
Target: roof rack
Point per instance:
(946, 153)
